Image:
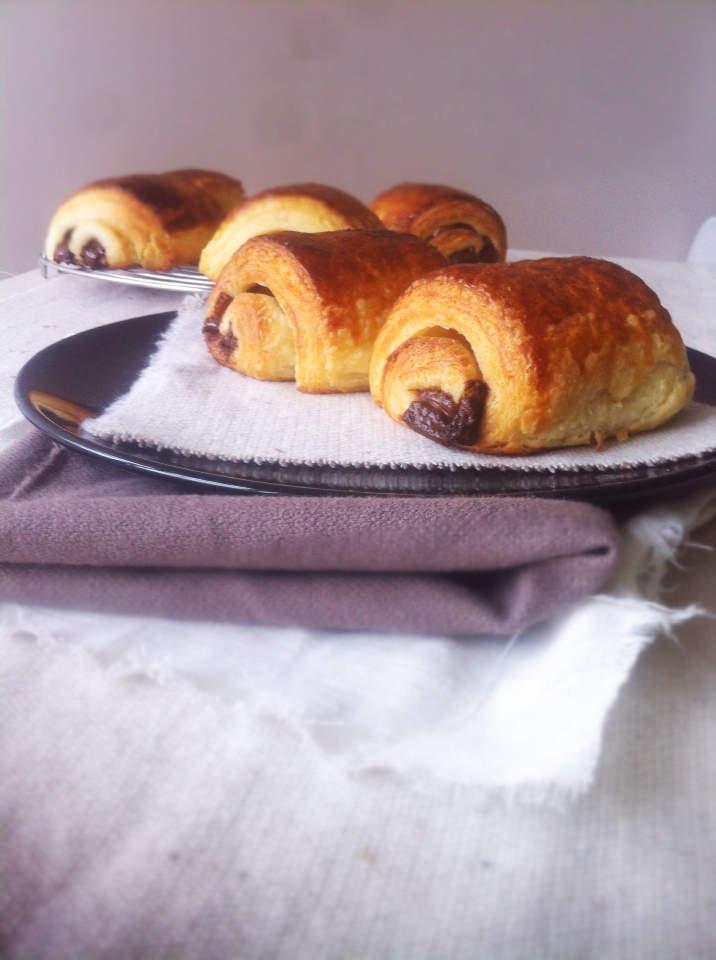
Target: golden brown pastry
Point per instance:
(517, 357)
(307, 207)
(155, 221)
(462, 227)
(308, 306)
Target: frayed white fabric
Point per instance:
(183, 400)
(522, 719)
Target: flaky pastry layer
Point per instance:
(305, 207)
(308, 306)
(462, 227)
(155, 221)
(519, 357)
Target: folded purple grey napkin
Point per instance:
(78, 532)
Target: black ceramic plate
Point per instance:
(64, 383)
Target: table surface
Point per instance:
(627, 871)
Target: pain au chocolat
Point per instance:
(306, 207)
(155, 221)
(462, 227)
(518, 357)
(308, 306)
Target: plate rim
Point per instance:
(271, 477)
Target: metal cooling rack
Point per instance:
(181, 279)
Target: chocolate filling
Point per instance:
(436, 415)
(257, 288)
(486, 254)
(93, 255)
(228, 343)
(62, 253)
(220, 307)
(448, 228)
(225, 343)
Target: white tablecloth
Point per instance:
(278, 856)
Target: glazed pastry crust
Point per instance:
(308, 306)
(306, 207)
(464, 228)
(155, 221)
(520, 357)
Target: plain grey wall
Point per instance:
(588, 123)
